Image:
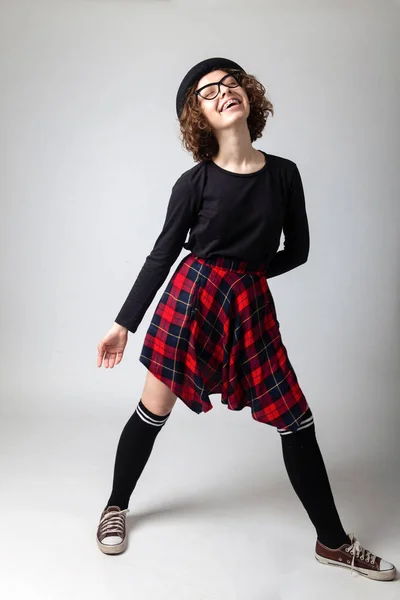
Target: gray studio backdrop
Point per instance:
(89, 154)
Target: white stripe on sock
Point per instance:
(303, 425)
(306, 420)
(148, 419)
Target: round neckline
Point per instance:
(243, 174)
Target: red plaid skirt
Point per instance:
(215, 331)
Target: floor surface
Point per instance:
(209, 520)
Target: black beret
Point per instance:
(197, 72)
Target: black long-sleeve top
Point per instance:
(240, 216)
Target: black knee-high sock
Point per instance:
(133, 451)
(308, 476)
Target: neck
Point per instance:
(235, 148)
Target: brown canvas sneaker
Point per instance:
(111, 531)
(356, 558)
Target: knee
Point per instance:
(158, 406)
(157, 397)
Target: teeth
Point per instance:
(230, 103)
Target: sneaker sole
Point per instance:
(378, 575)
(112, 549)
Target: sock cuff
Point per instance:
(150, 418)
(306, 422)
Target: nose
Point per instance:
(223, 92)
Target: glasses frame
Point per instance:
(235, 74)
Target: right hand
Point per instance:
(111, 347)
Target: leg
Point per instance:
(307, 473)
(138, 437)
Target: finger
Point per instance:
(112, 360)
(119, 358)
(99, 357)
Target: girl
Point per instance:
(215, 328)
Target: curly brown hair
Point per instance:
(197, 135)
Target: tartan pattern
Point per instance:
(215, 331)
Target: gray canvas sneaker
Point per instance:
(111, 531)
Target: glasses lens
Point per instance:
(231, 81)
(209, 92)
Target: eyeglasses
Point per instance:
(211, 90)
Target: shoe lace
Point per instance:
(113, 523)
(358, 551)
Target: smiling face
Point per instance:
(219, 113)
